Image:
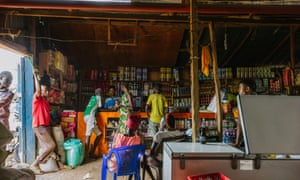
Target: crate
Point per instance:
(211, 176)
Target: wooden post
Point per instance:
(194, 69)
(33, 40)
(216, 78)
(292, 46)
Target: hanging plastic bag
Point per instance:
(212, 105)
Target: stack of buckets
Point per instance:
(74, 152)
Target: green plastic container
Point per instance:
(74, 152)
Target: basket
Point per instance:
(211, 176)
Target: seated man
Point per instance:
(154, 159)
(167, 129)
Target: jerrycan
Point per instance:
(74, 152)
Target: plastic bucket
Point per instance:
(49, 166)
(74, 152)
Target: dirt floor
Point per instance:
(88, 171)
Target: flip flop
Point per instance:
(66, 167)
(36, 170)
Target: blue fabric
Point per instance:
(110, 102)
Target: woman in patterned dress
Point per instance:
(125, 107)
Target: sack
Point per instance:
(50, 165)
(59, 139)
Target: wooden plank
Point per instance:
(292, 46)
(216, 78)
(194, 69)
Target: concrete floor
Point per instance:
(88, 171)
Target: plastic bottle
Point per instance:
(202, 137)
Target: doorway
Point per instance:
(10, 61)
(20, 108)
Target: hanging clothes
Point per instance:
(205, 60)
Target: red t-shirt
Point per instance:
(40, 112)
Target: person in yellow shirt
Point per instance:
(159, 105)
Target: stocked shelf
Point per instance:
(267, 80)
(139, 81)
(63, 86)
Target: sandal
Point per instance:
(36, 170)
(65, 167)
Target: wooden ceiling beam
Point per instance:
(150, 19)
(204, 7)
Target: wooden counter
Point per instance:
(102, 121)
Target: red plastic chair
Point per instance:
(128, 160)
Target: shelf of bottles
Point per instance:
(139, 81)
(267, 80)
(211, 130)
(228, 129)
(181, 97)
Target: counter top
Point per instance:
(116, 114)
(203, 149)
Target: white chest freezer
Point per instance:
(271, 125)
(183, 159)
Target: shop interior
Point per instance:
(84, 47)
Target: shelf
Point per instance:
(206, 114)
(93, 81)
(183, 96)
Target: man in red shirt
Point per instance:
(41, 123)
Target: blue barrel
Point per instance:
(74, 152)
